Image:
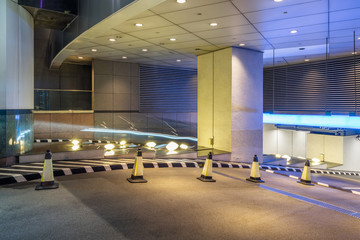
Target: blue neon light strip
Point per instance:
(107, 130)
(335, 121)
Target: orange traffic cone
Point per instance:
(47, 178)
(306, 175)
(138, 170)
(206, 174)
(255, 171)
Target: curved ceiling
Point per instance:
(262, 25)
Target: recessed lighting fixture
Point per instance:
(144, 50)
(353, 53)
(93, 50)
(293, 31)
(306, 60)
(302, 48)
(242, 44)
(181, 1)
(138, 24)
(213, 24)
(172, 39)
(112, 39)
(178, 60)
(359, 38)
(278, 0)
(80, 57)
(124, 57)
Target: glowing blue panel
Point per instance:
(335, 121)
(107, 130)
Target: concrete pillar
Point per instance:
(16, 80)
(230, 104)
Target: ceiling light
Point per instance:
(278, 0)
(151, 145)
(353, 53)
(112, 39)
(181, 1)
(293, 31)
(306, 60)
(213, 24)
(242, 44)
(80, 57)
(359, 38)
(144, 50)
(179, 60)
(172, 39)
(139, 25)
(93, 50)
(124, 57)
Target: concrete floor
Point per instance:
(174, 205)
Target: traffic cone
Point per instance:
(306, 175)
(138, 169)
(255, 171)
(47, 178)
(206, 174)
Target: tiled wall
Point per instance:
(116, 86)
(63, 125)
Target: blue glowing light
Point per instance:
(107, 130)
(335, 121)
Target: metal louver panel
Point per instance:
(332, 86)
(167, 89)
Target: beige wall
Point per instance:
(325, 147)
(62, 125)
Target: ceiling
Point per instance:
(262, 25)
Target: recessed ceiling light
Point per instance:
(181, 1)
(306, 60)
(144, 50)
(112, 39)
(80, 57)
(242, 44)
(213, 24)
(278, 0)
(302, 48)
(293, 31)
(359, 38)
(93, 50)
(178, 60)
(172, 39)
(124, 57)
(139, 25)
(353, 53)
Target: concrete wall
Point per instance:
(116, 86)
(62, 125)
(284, 142)
(16, 57)
(247, 105)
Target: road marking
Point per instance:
(323, 184)
(313, 201)
(350, 187)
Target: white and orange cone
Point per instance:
(206, 174)
(255, 171)
(138, 170)
(47, 178)
(306, 174)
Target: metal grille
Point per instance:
(167, 89)
(314, 87)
